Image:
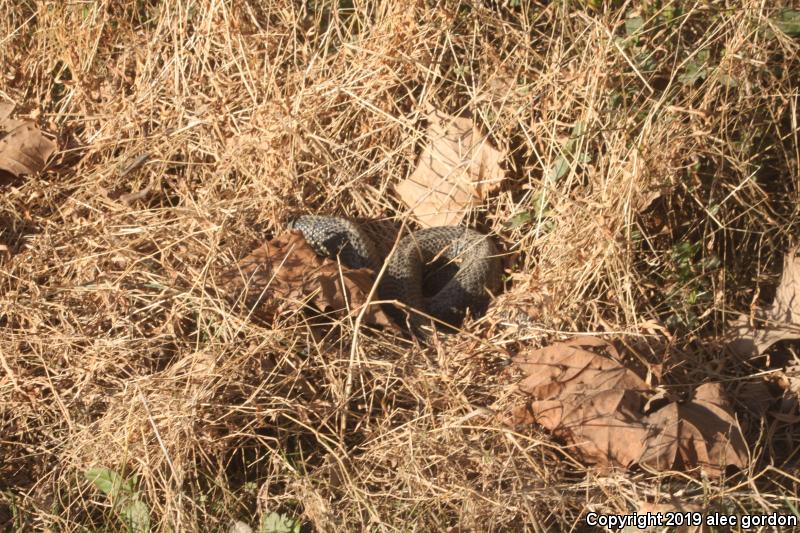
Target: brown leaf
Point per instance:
(23, 147)
(702, 432)
(757, 395)
(781, 320)
(5, 110)
(572, 366)
(286, 272)
(456, 170)
(584, 395)
(711, 413)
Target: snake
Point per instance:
(439, 272)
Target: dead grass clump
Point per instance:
(650, 192)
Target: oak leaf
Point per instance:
(286, 273)
(456, 170)
(778, 321)
(580, 390)
(23, 147)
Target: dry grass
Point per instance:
(116, 352)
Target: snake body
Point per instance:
(441, 271)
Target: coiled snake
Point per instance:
(441, 271)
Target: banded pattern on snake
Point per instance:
(441, 272)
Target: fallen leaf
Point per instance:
(574, 365)
(456, 170)
(23, 147)
(286, 273)
(781, 320)
(701, 432)
(758, 395)
(5, 111)
(582, 393)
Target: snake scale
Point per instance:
(440, 271)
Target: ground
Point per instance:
(652, 170)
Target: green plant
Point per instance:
(788, 21)
(695, 69)
(569, 154)
(278, 523)
(687, 279)
(124, 497)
